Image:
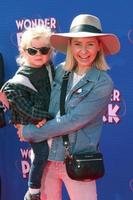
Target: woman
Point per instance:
(88, 94)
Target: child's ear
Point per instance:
(22, 52)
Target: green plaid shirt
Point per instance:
(26, 105)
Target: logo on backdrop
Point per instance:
(116, 108)
(23, 24)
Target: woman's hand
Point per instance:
(4, 100)
(19, 132)
(41, 123)
(20, 129)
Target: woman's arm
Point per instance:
(92, 106)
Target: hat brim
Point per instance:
(110, 42)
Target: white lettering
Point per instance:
(115, 95)
(112, 114)
(25, 153)
(19, 24)
(53, 23)
(27, 23)
(19, 37)
(25, 168)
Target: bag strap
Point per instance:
(62, 107)
(63, 93)
(65, 138)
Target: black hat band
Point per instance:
(85, 28)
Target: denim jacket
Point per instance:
(85, 106)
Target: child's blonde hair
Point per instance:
(28, 35)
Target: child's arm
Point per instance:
(4, 100)
(20, 100)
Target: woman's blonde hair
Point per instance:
(99, 63)
(28, 35)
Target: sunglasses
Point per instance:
(42, 50)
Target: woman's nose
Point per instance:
(84, 49)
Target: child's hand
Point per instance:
(41, 123)
(4, 100)
(19, 132)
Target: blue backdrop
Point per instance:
(117, 137)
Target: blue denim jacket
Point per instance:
(85, 106)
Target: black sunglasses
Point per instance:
(33, 51)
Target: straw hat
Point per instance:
(85, 25)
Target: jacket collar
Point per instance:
(92, 74)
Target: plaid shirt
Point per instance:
(26, 105)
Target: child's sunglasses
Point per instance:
(42, 50)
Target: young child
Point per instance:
(28, 93)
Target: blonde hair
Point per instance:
(99, 63)
(28, 35)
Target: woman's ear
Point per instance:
(100, 45)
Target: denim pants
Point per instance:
(53, 177)
(40, 151)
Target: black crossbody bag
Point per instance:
(83, 166)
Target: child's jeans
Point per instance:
(40, 151)
(53, 177)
